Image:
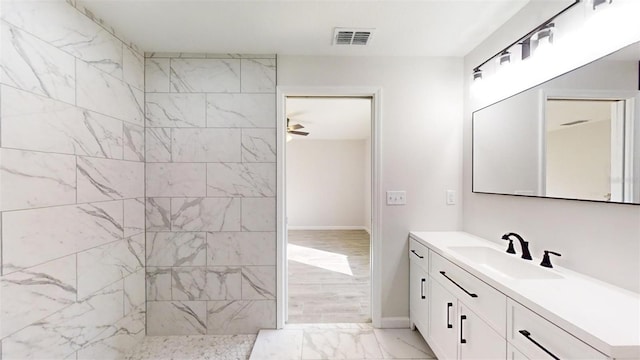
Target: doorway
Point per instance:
(327, 209)
(587, 145)
(328, 191)
(580, 161)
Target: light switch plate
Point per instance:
(451, 197)
(396, 197)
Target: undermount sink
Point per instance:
(504, 264)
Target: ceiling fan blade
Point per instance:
(298, 133)
(295, 127)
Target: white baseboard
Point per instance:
(400, 322)
(354, 227)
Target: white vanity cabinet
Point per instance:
(514, 354)
(470, 311)
(443, 327)
(456, 328)
(456, 332)
(537, 338)
(418, 286)
(480, 340)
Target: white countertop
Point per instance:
(602, 315)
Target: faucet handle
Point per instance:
(546, 260)
(510, 248)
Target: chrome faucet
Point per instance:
(524, 245)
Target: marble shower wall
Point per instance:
(71, 185)
(210, 187)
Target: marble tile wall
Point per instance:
(210, 187)
(71, 185)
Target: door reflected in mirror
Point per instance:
(578, 149)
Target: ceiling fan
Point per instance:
(292, 129)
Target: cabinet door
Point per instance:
(514, 354)
(418, 298)
(476, 339)
(443, 326)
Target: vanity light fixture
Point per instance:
(542, 36)
(477, 74)
(504, 58)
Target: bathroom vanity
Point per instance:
(471, 300)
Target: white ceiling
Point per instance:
(564, 111)
(305, 27)
(331, 118)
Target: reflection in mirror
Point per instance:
(574, 137)
(578, 149)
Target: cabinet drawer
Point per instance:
(537, 338)
(487, 302)
(419, 253)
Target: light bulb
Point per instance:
(504, 58)
(543, 40)
(477, 75)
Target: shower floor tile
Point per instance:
(194, 347)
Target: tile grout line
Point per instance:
(124, 227)
(302, 345)
(123, 139)
(71, 204)
(76, 154)
(40, 96)
(75, 101)
(1, 252)
(144, 199)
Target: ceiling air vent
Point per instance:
(346, 36)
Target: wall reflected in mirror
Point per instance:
(574, 137)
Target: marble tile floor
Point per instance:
(339, 341)
(329, 276)
(194, 347)
(295, 342)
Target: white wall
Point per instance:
(421, 146)
(579, 161)
(325, 184)
(598, 239)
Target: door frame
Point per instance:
(375, 93)
(623, 130)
